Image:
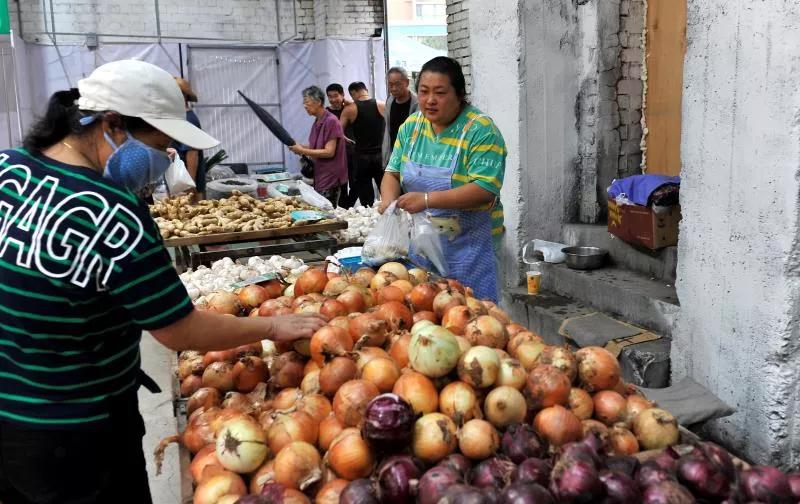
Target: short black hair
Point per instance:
(356, 86)
(449, 67)
(334, 87)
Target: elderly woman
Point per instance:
(326, 147)
(449, 161)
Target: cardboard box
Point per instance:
(639, 225)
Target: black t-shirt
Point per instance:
(368, 127)
(83, 271)
(397, 116)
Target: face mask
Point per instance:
(134, 164)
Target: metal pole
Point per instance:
(16, 84)
(5, 97)
(53, 22)
(158, 20)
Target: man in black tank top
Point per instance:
(366, 117)
(338, 102)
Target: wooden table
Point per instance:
(192, 251)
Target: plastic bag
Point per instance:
(312, 197)
(178, 178)
(427, 242)
(219, 172)
(389, 240)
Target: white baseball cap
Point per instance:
(139, 89)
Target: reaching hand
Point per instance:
(384, 205)
(297, 149)
(294, 327)
(412, 202)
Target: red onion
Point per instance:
(620, 488)
(434, 484)
(388, 422)
(576, 480)
(521, 442)
(526, 493)
(579, 451)
(703, 478)
(253, 499)
(494, 471)
(463, 494)
(650, 473)
(491, 495)
(532, 470)
(766, 484)
(667, 492)
(457, 462)
(397, 479)
(667, 459)
(794, 483)
(624, 464)
(360, 491)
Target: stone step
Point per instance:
(630, 296)
(658, 264)
(644, 364)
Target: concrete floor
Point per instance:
(159, 420)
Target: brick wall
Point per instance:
(458, 36)
(630, 86)
(235, 20)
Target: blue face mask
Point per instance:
(135, 164)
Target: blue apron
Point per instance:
(466, 236)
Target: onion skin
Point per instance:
(623, 464)
(458, 463)
(766, 484)
(399, 349)
(456, 319)
(422, 297)
(459, 401)
(667, 492)
(702, 479)
(368, 330)
(350, 401)
(532, 470)
(417, 390)
(511, 374)
(426, 315)
(505, 406)
(350, 455)
(295, 426)
(557, 425)
(396, 314)
(493, 472)
(581, 403)
(248, 373)
(609, 407)
(434, 437)
(388, 422)
(478, 439)
(311, 281)
(528, 354)
(650, 473)
(252, 296)
(656, 429)
(336, 373)
(397, 479)
(447, 299)
(621, 441)
(264, 475)
(277, 493)
(328, 430)
(219, 375)
(527, 493)
(520, 442)
(205, 397)
(486, 330)
(598, 369)
(190, 385)
(562, 359)
(794, 483)
(298, 466)
(224, 303)
(331, 492)
(619, 488)
(330, 342)
(479, 366)
(360, 491)
(204, 458)
(241, 445)
(215, 487)
(576, 481)
(287, 370)
(434, 484)
(547, 386)
(381, 372)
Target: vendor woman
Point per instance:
(449, 161)
(83, 271)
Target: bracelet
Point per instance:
(426, 202)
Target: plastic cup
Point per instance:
(534, 281)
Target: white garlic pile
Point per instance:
(360, 222)
(225, 272)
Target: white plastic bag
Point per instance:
(312, 197)
(178, 178)
(389, 240)
(428, 243)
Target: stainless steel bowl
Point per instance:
(585, 258)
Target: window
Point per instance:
(430, 10)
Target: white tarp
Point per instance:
(45, 69)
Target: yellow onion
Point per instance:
(295, 426)
(458, 401)
(598, 369)
(241, 445)
(505, 406)
(621, 441)
(417, 276)
(418, 391)
(350, 456)
(298, 465)
(310, 384)
(329, 428)
(433, 351)
(528, 354)
(580, 403)
(479, 366)
(381, 372)
(656, 429)
(609, 407)
(330, 493)
(478, 439)
(316, 405)
(434, 437)
(396, 269)
(562, 359)
(511, 374)
(214, 488)
(463, 345)
(558, 426)
(351, 400)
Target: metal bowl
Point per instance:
(585, 258)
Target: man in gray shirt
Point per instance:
(401, 104)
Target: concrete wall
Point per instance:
(738, 332)
(496, 49)
(234, 20)
(458, 35)
(629, 87)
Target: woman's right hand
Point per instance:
(295, 327)
(383, 206)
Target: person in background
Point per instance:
(337, 102)
(82, 274)
(192, 158)
(449, 162)
(401, 104)
(325, 147)
(365, 114)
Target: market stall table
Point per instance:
(192, 251)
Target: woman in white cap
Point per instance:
(82, 272)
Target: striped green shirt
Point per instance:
(482, 159)
(82, 271)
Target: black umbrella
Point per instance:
(270, 122)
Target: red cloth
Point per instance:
(330, 172)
